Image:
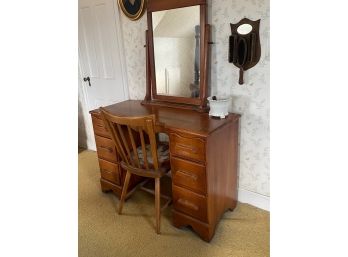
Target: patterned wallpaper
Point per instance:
(250, 99)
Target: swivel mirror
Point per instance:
(177, 47)
(176, 50)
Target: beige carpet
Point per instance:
(102, 232)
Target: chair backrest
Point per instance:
(125, 133)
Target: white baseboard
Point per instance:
(252, 198)
(91, 145)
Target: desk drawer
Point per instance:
(187, 146)
(106, 149)
(189, 175)
(190, 203)
(110, 171)
(99, 128)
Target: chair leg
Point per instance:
(158, 205)
(124, 191)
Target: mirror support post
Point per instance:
(148, 77)
(203, 105)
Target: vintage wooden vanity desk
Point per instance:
(203, 150)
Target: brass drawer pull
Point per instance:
(188, 174)
(194, 150)
(107, 148)
(188, 204)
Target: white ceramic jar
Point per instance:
(219, 107)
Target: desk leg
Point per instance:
(204, 230)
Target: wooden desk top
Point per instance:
(169, 118)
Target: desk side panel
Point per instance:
(222, 165)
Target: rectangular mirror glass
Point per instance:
(176, 39)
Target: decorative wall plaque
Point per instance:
(133, 9)
(244, 45)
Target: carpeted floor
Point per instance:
(102, 232)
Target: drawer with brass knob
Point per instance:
(190, 203)
(189, 175)
(106, 149)
(110, 171)
(187, 146)
(99, 127)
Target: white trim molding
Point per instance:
(252, 198)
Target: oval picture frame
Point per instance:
(133, 9)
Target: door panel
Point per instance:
(88, 59)
(104, 30)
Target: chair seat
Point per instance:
(162, 154)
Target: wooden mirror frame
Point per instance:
(152, 97)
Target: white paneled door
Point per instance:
(101, 62)
(101, 57)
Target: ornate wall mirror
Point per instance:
(177, 53)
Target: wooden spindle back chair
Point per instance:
(139, 160)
